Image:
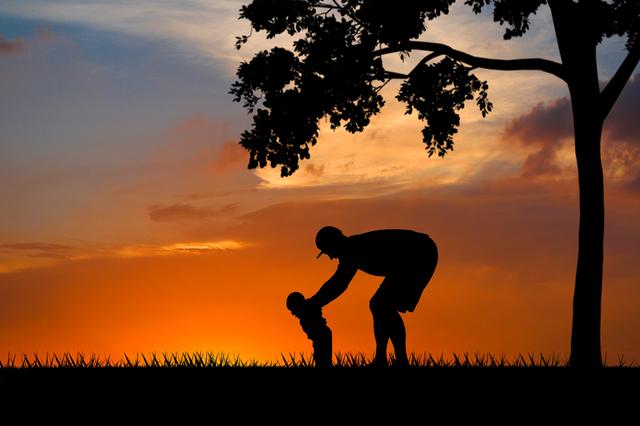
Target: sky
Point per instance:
(130, 222)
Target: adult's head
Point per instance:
(329, 240)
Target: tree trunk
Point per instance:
(577, 45)
(587, 297)
(587, 123)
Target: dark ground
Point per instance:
(305, 395)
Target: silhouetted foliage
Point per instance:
(335, 70)
(437, 91)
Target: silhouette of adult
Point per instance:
(407, 260)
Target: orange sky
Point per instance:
(503, 284)
(130, 223)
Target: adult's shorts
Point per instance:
(402, 289)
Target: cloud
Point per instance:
(46, 35)
(542, 163)
(35, 255)
(8, 47)
(187, 212)
(623, 124)
(314, 170)
(42, 36)
(388, 152)
(621, 163)
(28, 255)
(204, 30)
(545, 124)
(190, 126)
(204, 195)
(548, 125)
(202, 143)
(198, 247)
(230, 157)
(40, 250)
(621, 148)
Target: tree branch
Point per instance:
(395, 75)
(424, 60)
(536, 64)
(610, 94)
(344, 11)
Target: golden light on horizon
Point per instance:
(181, 248)
(213, 245)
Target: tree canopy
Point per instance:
(335, 68)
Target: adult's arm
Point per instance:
(335, 286)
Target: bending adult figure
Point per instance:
(406, 259)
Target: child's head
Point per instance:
(295, 303)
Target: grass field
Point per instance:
(340, 360)
(191, 385)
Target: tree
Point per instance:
(335, 70)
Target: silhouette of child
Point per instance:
(314, 326)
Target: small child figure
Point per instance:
(314, 326)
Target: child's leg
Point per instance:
(322, 346)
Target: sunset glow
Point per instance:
(130, 222)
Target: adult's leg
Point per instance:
(398, 336)
(387, 324)
(381, 333)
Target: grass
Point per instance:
(205, 384)
(301, 360)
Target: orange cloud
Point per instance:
(8, 47)
(191, 126)
(193, 143)
(230, 157)
(621, 163)
(34, 255)
(314, 170)
(43, 250)
(198, 247)
(42, 35)
(201, 196)
(187, 212)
